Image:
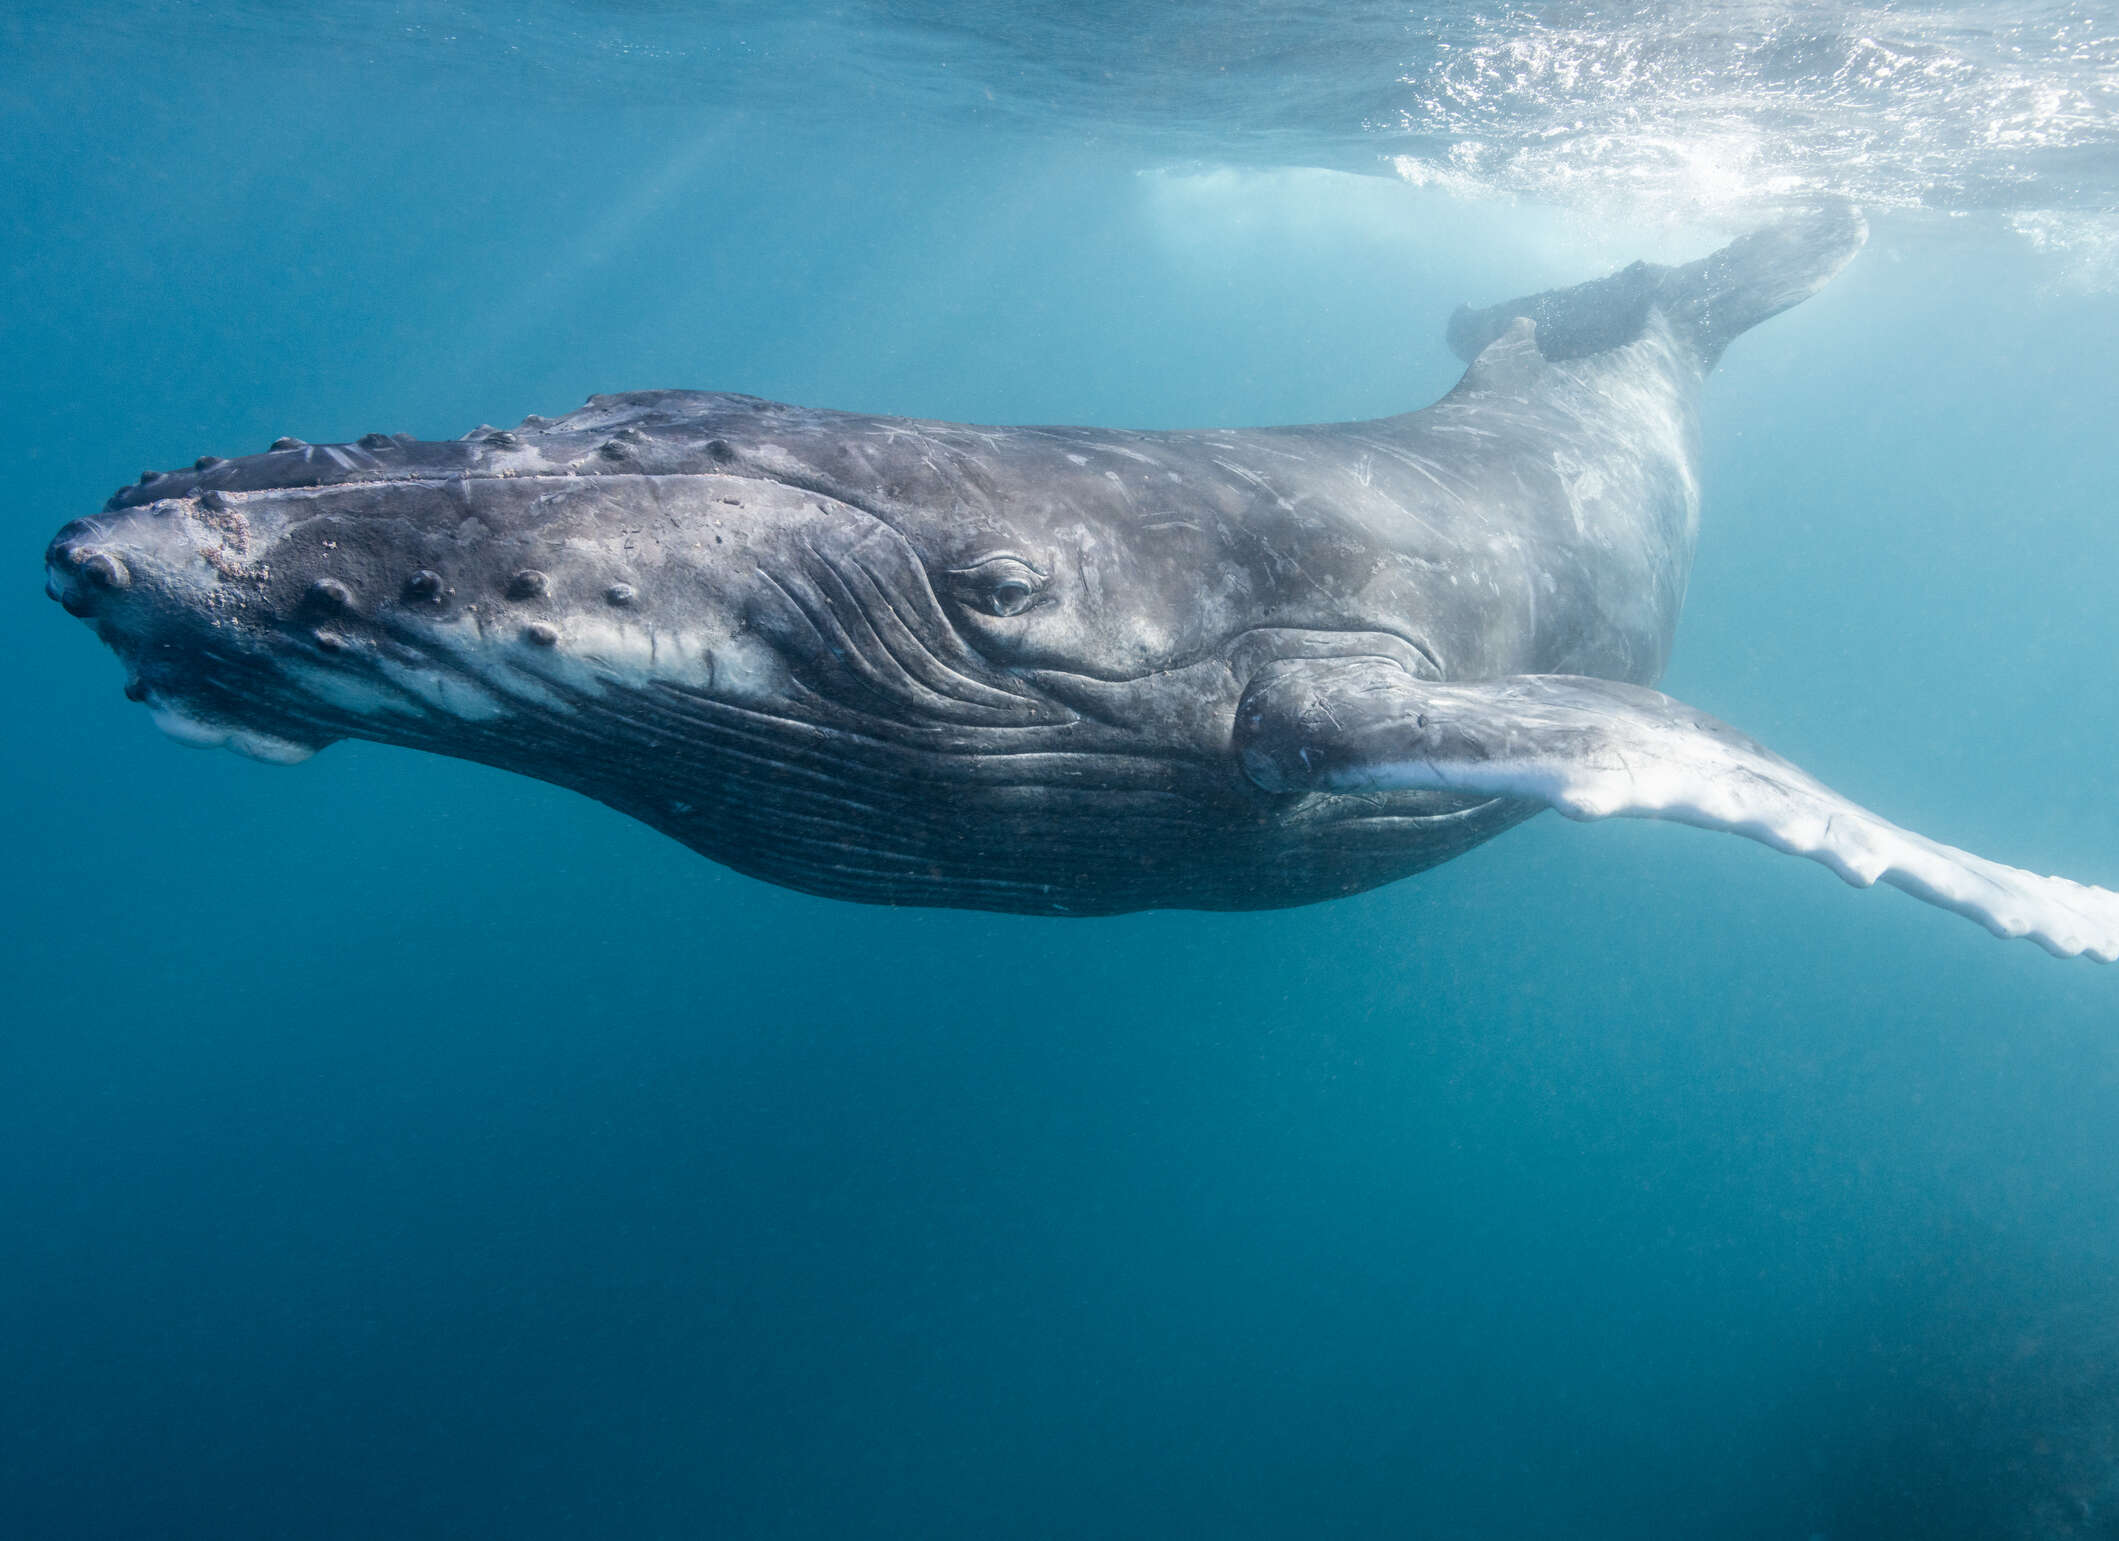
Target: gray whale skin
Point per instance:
(1055, 670)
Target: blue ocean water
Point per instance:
(390, 1147)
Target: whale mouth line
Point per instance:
(282, 707)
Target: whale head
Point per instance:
(478, 596)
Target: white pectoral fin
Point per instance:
(1595, 749)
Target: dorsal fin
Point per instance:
(1510, 365)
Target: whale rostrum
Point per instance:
(1053, 670)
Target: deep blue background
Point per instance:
(391, 1147)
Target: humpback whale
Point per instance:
(1068, 671)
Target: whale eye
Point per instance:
(999, 585)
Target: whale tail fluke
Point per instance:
(1710, 301)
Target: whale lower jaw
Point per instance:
(196, 732)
